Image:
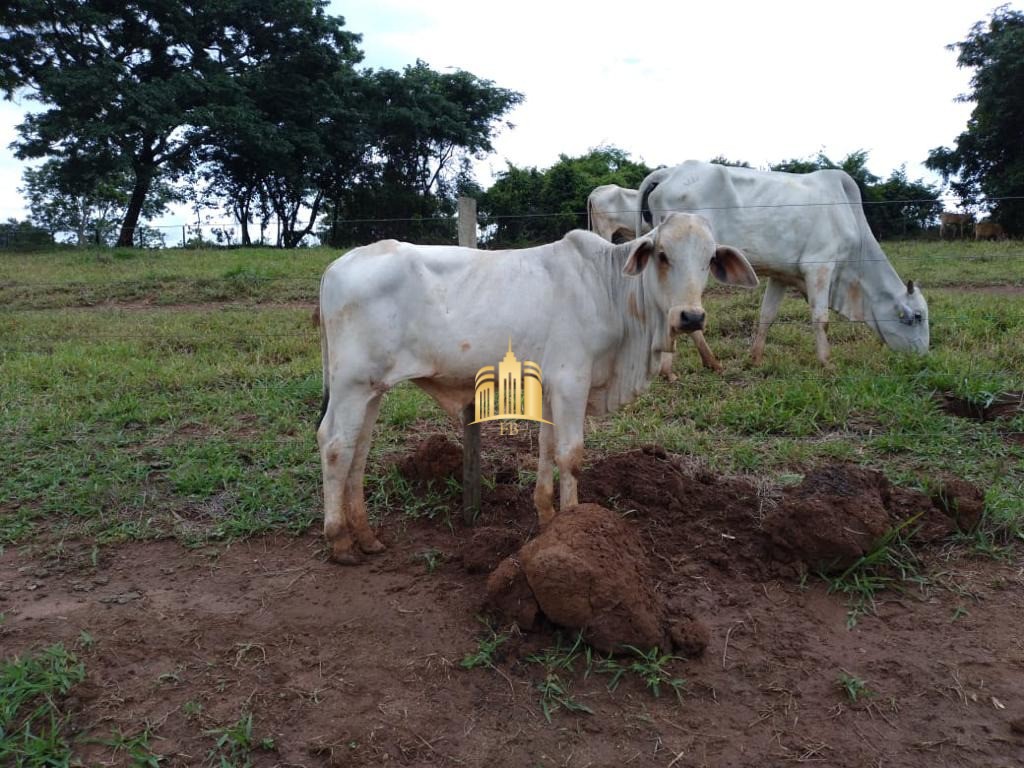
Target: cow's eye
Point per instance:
(663, 258)
(918, 317)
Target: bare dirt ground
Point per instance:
(360, 666)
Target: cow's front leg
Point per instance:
(568, 413)
(707, 357)
(666, 366)
(544, 492)
(773, 294)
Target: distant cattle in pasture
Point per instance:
(989, 230)
(954, 222)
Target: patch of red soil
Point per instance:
(829, 521)
(435, 459)
(360, 666)
(589, 572)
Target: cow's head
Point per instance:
(902, 319)
(674, 261)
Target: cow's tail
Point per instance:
(324, 356)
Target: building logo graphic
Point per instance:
(509, 390)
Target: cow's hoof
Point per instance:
(346, 556)
(372, 546)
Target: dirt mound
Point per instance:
(435, 459)
(691, 517)
(831, 519)
(487, 547)
(839, 513)
(587, 571)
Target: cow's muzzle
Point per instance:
(691, 320)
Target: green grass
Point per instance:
(651, 667)
(854, 687)
(69, 278)
(555, 686)
(487, 645)
(236, 743)
(891, 563)
(199, 422)
(33, 724)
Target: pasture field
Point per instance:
(164, 597)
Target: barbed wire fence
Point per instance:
(919, 220)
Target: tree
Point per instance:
(295, 126)
(141, 84)
(987, 162)
(422, 128)
(526, 205)
(60, 201)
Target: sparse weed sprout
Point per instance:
(649, 667)
(485, 648)
(854, 687)
(431, 558)
(554, 691)
(235, 743)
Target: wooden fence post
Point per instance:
(470, 432)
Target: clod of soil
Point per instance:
(962, 502)
(487, 547)
(435, 459)
(587, 571)
(831, 519)
(839, 512)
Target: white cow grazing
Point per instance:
(804, 230)
(611, 213)
(594, 315)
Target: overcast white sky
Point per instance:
(669, 81)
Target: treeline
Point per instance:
(253, 106)
(527, 205)
(260, 108)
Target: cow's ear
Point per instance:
(640, 253)
(731, 267)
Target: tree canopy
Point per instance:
(987, 163)
(527, 205)
(262, 97)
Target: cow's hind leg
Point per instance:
(773, 294)
(355, 501)
(338, 438)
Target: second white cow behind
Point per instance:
(595, 316)
(802, 230)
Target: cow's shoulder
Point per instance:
(581, 242)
